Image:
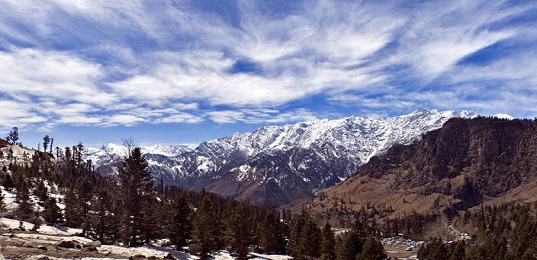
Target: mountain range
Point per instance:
(465, 163)
(279, 164)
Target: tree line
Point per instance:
(507, 231)
(131, 209)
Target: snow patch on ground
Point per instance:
(44, 229)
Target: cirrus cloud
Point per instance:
(110, 63)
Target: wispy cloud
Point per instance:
(130, 62)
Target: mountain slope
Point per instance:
(276, 165)
(449, 169)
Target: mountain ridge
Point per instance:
(456, 167)
(278, 164)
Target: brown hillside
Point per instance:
(447, 170)
(3, 143)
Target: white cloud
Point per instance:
(122, 119)
(441, 34)
(126, 63)
(80, 120)
(256, 116)
(226, 116)
(13, 113)
(51, 74)
(179, 118)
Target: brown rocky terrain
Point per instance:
(450, 169)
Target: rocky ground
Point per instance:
(18, 241)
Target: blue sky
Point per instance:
(187, 71)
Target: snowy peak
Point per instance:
(168, 150)
(503, 116)
(277, 164)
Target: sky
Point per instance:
(175, 72)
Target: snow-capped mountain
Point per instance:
(277, 164)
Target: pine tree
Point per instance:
(25, 209)
(78, 152)
(310, 239)
(205, 230)
(435, 249)
(52, 213)
(37, 221)
(350, 246)
(238, 231)
(68, 154)
(458, 251)
(372, 250)
(84, 190)
(271, 235)
(327, 243)
(137, 195)
(13, 135)
(181, 223)
(104, 222)
(46, 141)
(72, 210)
(8, 182)
(41, 191)
(297, 225)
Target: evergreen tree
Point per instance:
(25, 209)
(104, 222)
(238, 231)
(310, 239)
(205, 230)
(41, 191)
(271, 235)
(78, 152)
(52, 213)
(327, 243)
(59, 152)
(84, 190)
(372, 250)
(72, 209)
(46, 141)
(68, 154)
(137, 197)
(37, 221)
(351, 245)
(181, 223)
(435, 249)
(458, 251)
(13, 135)
(297, 225)
(7, 182)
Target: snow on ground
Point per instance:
(272, 257)
(132, 251)
(9, 199)
(56, 234)
(52, 239)
(44, 229)
(39, 257)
